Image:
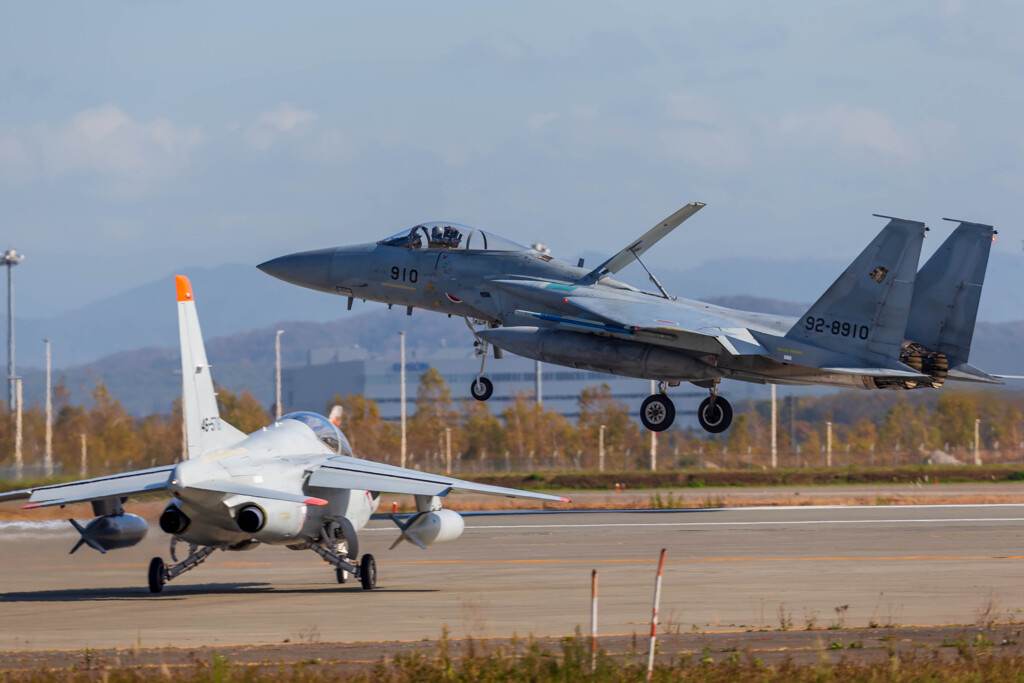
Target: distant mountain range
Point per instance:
(237, 298)
(146, 380)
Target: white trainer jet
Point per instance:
(294, 483)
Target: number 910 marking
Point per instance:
(836, 327)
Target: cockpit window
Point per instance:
(324, 429)
(441, 235)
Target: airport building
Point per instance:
(356, 371)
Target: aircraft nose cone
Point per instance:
(306, 268)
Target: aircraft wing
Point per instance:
(343, 472)
(113, 486)
(679, 326)
(637, 247)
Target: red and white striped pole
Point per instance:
(654, 615)
(593, 621)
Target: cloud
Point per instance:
(849, 129)
(704, 132)
(125, 157)
(285, 120)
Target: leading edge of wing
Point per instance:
(113, 486)
(352, 473)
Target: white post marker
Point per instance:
(977, 441)
(654, 616)
(600, 449)
(593, 620)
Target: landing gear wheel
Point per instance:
(481, 389)
(657, 412)
(342, 575)
(715, 417)
(156, 575)
(368, 572)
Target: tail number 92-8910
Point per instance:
(836, 327)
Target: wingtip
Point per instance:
(184, 288)
(564, 499)
(31, 506)
(315, 501)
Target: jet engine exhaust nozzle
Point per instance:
(251, 518)
(174, 521)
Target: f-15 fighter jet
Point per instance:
(881, 325)
(294, 483)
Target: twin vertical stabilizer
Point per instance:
(948, 290)
(865, 311)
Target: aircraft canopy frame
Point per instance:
(444, 235)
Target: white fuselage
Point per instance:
(277, 458)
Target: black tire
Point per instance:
(156, 575)
(657, 412)
(481, 389)
(341, 574)
(715, 419)
(368, 572)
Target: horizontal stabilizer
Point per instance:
(877, 372)
(966, 372)
(639, 246)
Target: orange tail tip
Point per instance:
(184, 288)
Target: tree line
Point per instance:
(866, 428)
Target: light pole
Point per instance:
(19, 463)
(277, 356)
(10, 259)
(775, 431)
(977, 441)
(48, 452)
(401, 398)
(539, 385)
(447, 450)
(654, 437)
(600, 449)
(828, 443)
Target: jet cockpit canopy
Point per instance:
(324, 429)
(442, 235)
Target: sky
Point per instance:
(141, 138)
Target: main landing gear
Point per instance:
(339, 546)
(657, 412)
(714, 412)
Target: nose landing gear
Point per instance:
(482, 388)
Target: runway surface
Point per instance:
(728, 569)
